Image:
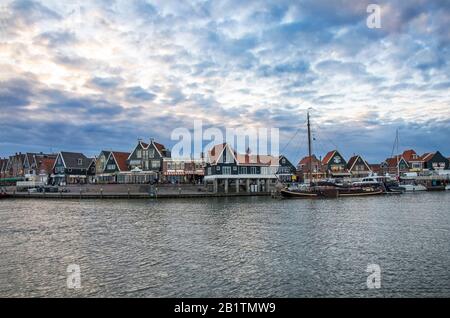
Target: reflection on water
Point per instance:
(227, 247)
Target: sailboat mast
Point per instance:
(398, 167)
(309, 149)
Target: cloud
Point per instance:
(138, 94)
(109, 72)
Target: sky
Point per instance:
(92, 75)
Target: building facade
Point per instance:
(335, 165)
(112, 167)
(415, 162)
(395, 165)
(227, 171)
(311, 168)
(358, 167)
(148, 158)
(73, 168)
(176, 171)
(287, 172)
(435, 161)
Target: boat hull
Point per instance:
(331, 193)
(413, 188)
(298, 194)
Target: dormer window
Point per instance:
(80, 162)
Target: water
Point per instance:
(227, 247)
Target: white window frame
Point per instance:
(226, 170)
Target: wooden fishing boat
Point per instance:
(331, 192)
(326, 189)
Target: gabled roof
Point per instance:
(353, 160)
(328, 157)
(215, 152)
(46, 164)
(159, 147)
(408, 155)
(305, 160)
(427, 156)
(392, 162)
(121, 159)
(70, 160)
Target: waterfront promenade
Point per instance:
(128, 191)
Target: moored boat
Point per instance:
(331, 192)
(435, 185)
(4, 195)
(328, 189)
(413, 187)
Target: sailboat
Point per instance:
(326, 189)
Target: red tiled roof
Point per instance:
(243, 159)
(375, 167)
(408, 155)
(215, 152)
(328, 157)
(121, 160)
(46, 165)
(305, 160)
(256, 159)
(392, 162)
(159, 146)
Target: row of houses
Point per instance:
(334, 165)
(223, 169)
(146, 163)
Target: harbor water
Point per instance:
(227, 247)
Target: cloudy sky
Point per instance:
(92, 75)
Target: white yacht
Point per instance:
(412, 187)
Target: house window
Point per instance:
(226, 170)
(145, 154)
(152, 153)
(139, 154)
(209, 171)
(264, 170)
(243, 170)
(80, 162)
(253, 170)
(111, 167)
(234, 168)
(156, 164)
(218, 168)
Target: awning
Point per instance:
(11, 179)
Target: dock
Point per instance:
(90, 195)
